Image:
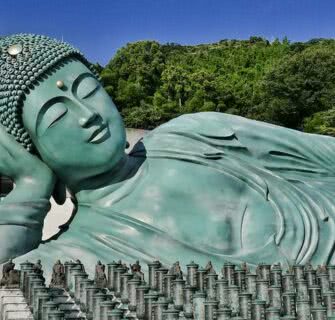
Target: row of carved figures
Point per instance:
(120, 292)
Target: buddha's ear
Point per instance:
(59, 193)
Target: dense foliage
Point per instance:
(290, 84)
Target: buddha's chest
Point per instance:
(199, 205)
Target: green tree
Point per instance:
(297, 87)
(321, 123)
(281, 82)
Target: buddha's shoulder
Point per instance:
(189, 136)
(227, 126)
(206, 124)
(200, 130)
(214, 124)
(191, 132)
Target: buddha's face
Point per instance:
(73, 123)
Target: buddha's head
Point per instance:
(52, 102)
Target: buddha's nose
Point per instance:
(87, 117)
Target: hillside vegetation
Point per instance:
(290, 84)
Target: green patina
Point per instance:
(204, 186)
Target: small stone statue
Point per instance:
(37, 268)
(290, 270)
(176, 270)
(126, 268)
(259, 270)
(10, 276)
(308, 266)
(136, 270)
(276, 264)
(244, 267)
(209, 267)
(58, 275)
(9, 266)
(321, 269)
(80, 263)
(100, 278)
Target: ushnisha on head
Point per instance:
(24, 59)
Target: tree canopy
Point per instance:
(290, 84)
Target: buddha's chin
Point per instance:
(107, 157)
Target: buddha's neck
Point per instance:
(95, 188)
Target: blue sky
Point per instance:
(98, 28)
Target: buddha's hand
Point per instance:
(32, 177)
(23, 210)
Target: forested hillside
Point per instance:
(290, 84)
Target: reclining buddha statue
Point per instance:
(203, 186)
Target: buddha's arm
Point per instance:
(22, 214)
(23, 210)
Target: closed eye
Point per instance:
(91, 93)
(58, 118)
(51, 116)
(86, 86)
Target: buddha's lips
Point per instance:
(98, 133)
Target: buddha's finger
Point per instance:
(8, 142)
(15, 159)
(6, 139)
(6, 163)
